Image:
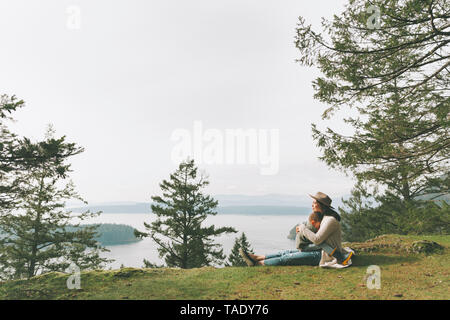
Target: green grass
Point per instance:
(404, 275)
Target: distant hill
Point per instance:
(228, 204)
(247, 210)
(234, 203)
(137, 207)
(110, 234)
(301, 200)
(435, 197)
(264, 210)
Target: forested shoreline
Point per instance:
(110, 234)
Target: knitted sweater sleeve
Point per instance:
(328, 226)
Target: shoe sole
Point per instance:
(246, 258)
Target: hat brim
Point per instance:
(321, 201)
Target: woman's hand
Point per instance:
(299, 228)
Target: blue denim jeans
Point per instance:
(293, 258)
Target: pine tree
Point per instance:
(182, 240)
(392, 68)
(19, 155)
(396, 76)
(10, 162)
(37, 237)
(235, 259)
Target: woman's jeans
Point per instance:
(294, 258)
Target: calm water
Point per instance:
(266, 234)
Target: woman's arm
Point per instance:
(327, 227)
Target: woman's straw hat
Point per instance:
(323, 199)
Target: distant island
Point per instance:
(111, 234)
(108, 234)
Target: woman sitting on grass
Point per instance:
(327, 241)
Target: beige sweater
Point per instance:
(329, 232)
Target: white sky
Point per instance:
(136, 71)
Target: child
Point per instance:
(313, 224)
(304, 244)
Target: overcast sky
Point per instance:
(120, 77)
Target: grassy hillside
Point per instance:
(405, 274)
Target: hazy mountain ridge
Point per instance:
(228, 204)
(248, 210)
(235, 204)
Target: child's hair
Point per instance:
(316, 216)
